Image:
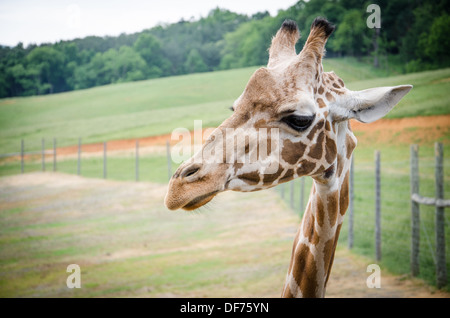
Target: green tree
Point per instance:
(149, 47)
(352, 36)
(23, 82)
(194, 62)
(112, 66)
(129, 65)
(247, 46)
(437, 43)
(49, 65)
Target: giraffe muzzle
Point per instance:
(194, 185)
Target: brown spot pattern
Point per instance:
(332, 206)
(306, 168)
(292, 151)
(329, 253)
(321, 103)
(305, 271)
(350, 145)
(250, 177)
(340, 165)
(321, 90)
(319, 210)
(308, 226)
(269, 178)
(316, 150)
(260, 124)
(329, 97)
(313, 131)
(289, 175)
(330, 149)
(344, 195)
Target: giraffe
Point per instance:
(311, 111)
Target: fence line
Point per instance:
(377, 207)
(438, 250)
(440, 203)
(415, 211)
(54, 155)
(79, 157)
(136, 172)
(350, 205)
(22, 151)
(362, 191)
(105, 145)
(43, 154)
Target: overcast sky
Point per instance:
(38, 21)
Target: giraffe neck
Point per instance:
(316, 239)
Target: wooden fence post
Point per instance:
(22, 154)
(43, 154)
(350, 207)
(377, 207)
(79, 157)
(441, 271)
(137, 161)
(415, 211)
(54, 154)
(104, 160)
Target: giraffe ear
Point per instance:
(283, 44)
(372, 104)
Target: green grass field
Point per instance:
(128, 245)
(154, 107)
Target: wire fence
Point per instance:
(387, 239)
(132, 161)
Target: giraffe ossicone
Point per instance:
(310, 110)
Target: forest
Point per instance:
(413, 37)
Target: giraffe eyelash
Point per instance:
(298, 123)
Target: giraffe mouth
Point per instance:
(199, 201)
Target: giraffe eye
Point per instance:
(299, 123)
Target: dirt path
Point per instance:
(349, 275)
(129, 245)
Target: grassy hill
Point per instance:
(154, 107)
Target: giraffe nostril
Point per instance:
(190, 171)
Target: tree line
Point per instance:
(412, 33)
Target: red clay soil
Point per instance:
(385, 131)
(404, 130)
(420, 130)
(113, 145)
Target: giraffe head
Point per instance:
(291, 120)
